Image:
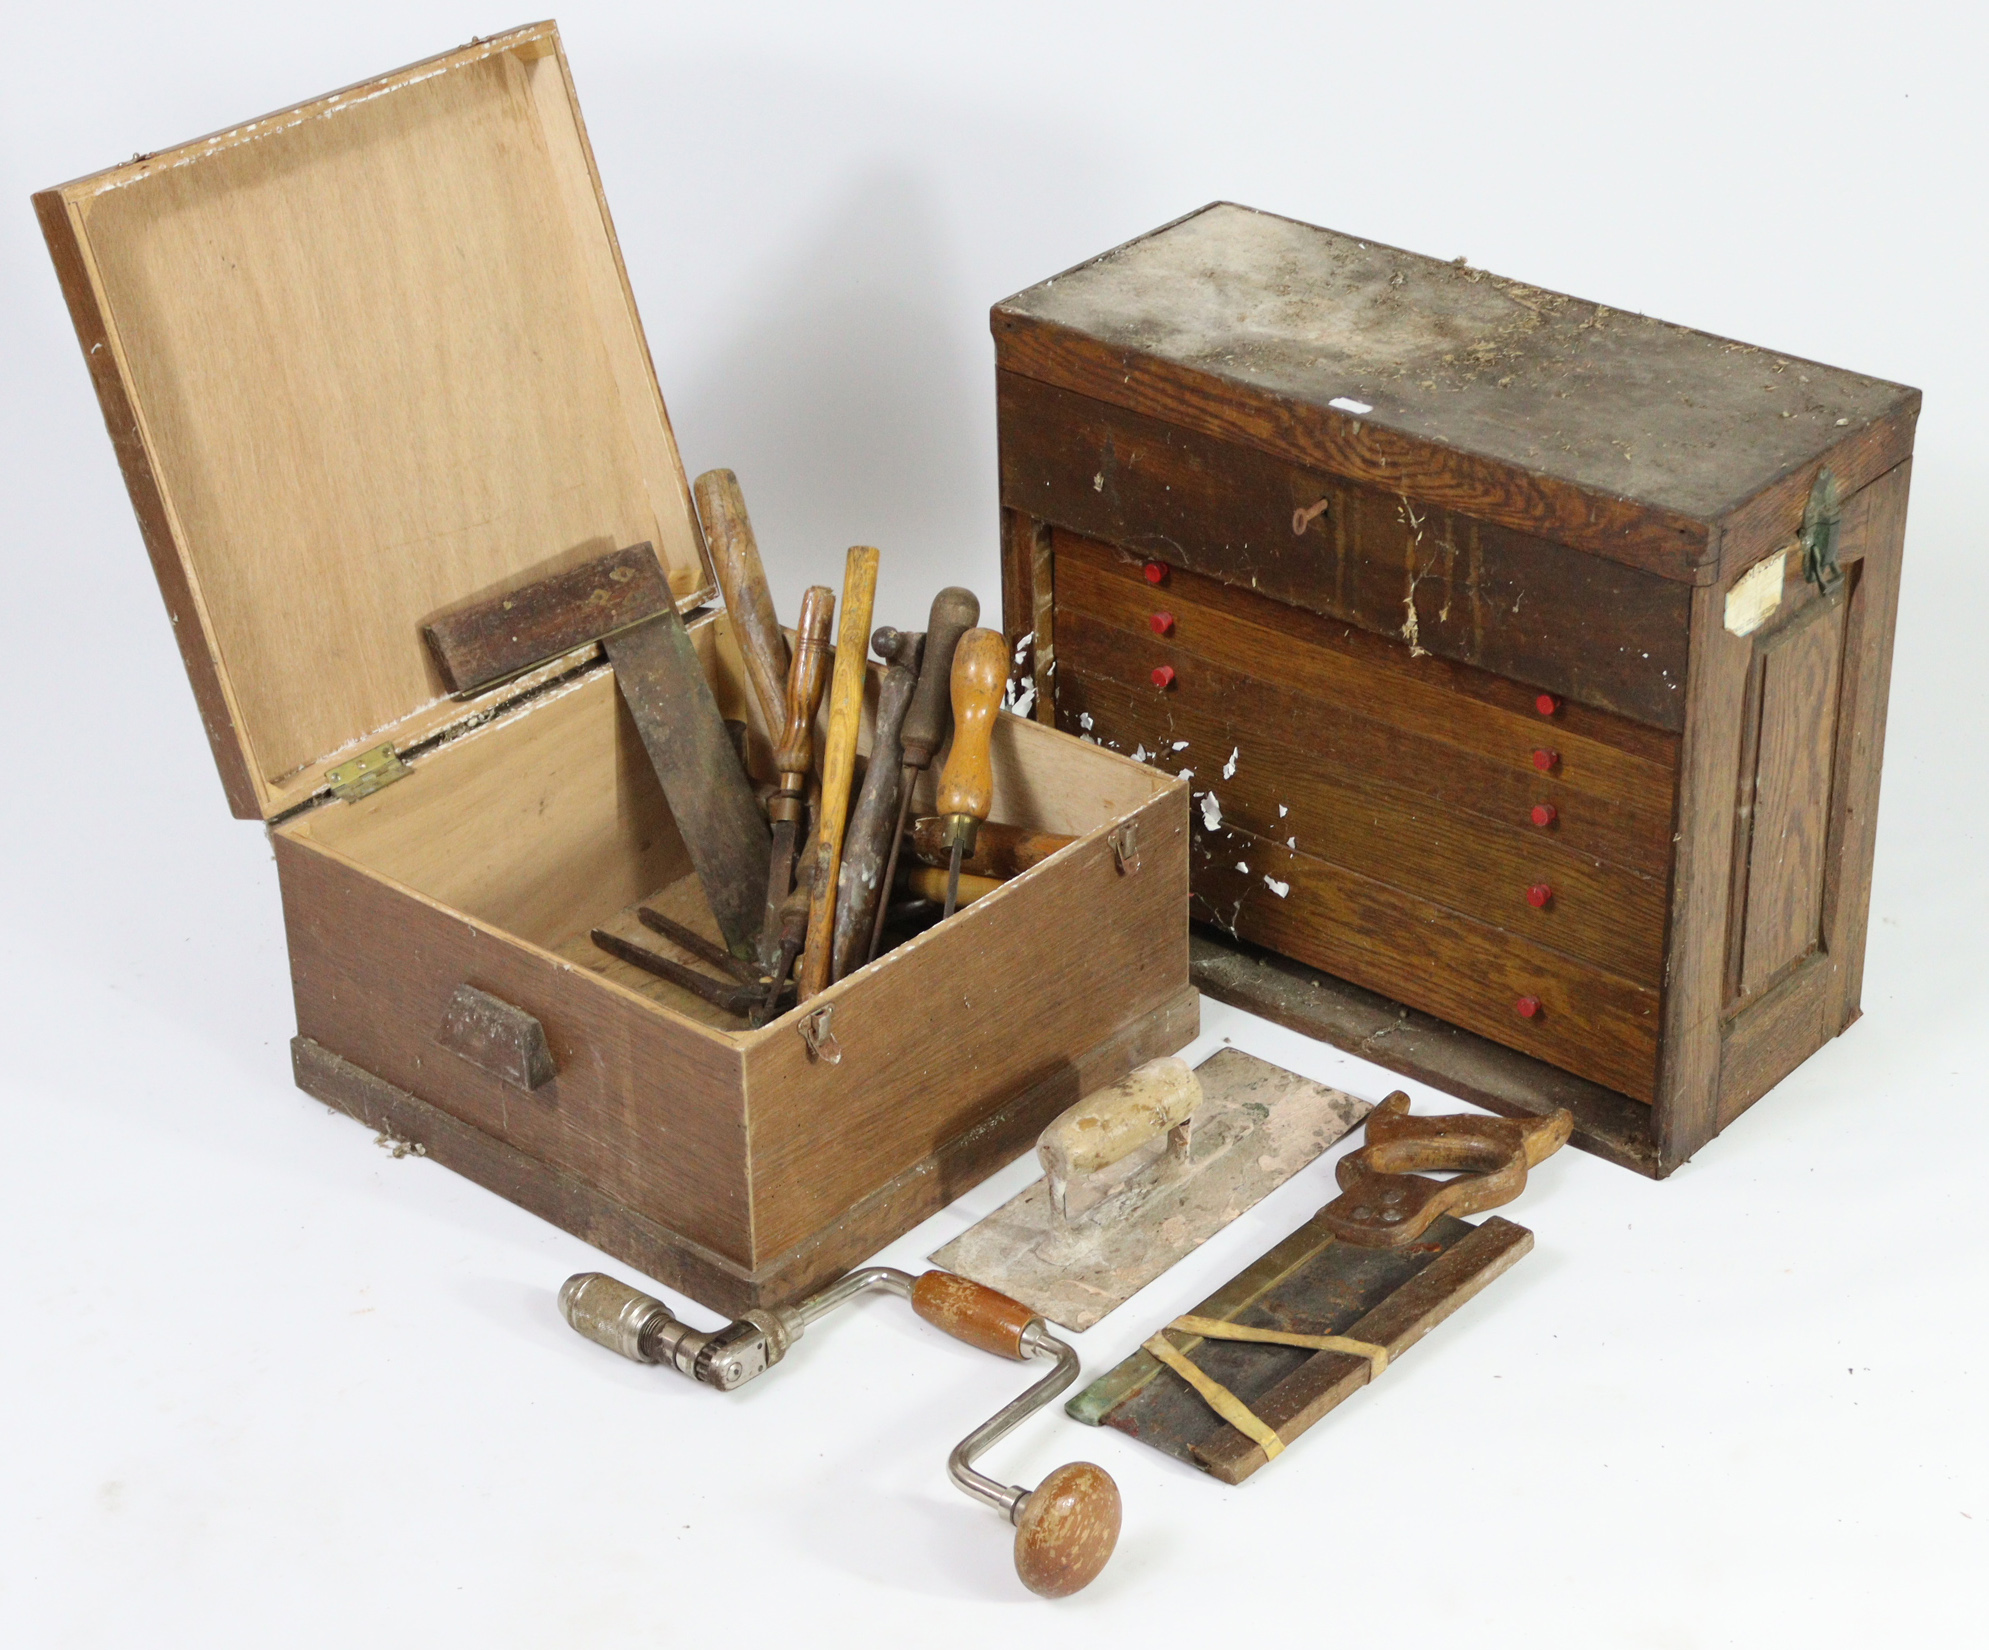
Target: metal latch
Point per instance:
(1126, 848)
(821, 1041)
(365, 774)
(1822, 517)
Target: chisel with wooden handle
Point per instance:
(735, 556)
(966, 787)
(794, 752)
(954, 612)
(999, 850)
(839, 762)
(867, 842)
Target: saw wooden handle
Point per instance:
(999, 850)
(735, 556)
(980, 674)
(808, 670)
(839, 762)
(972, 1312)
(1385, 1204)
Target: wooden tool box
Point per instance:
(1526, 758)
(373, 355)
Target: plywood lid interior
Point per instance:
(383, 356)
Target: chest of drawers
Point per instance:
(1527, 659)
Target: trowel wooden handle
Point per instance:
(954, 612)
(972, 1312)
(805, 677)
(999, 850)
(1106, 1125)
(735, 555)
(980, 673)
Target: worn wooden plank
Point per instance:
(1540, 613)
(486, 638)
(1268, 784)
(1419, 952)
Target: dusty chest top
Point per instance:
(1614, 432)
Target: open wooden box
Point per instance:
(373, 355)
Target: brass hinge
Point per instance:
(365, 774)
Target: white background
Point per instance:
(262, 1384)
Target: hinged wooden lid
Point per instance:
(362, 359)
(1621, 435)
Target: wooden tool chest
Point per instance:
(1527, 659)
(374, 355)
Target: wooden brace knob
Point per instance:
(972, 1312)
(980, 673)
(1066, 1530)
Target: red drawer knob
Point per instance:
(1547, 704)
(1163, 676)
(1527, 1008)
(1544, 814)
(1156, 572)
(1538, 895)
(1162, 623)
(1546, 761)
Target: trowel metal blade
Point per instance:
(1256, 1127)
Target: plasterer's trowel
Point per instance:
(1144, 1172)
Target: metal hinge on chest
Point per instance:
(366, 773)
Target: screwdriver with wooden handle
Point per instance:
(966, 787)
(954, 612)
(795, 752)
(735, 557)
(839, 762)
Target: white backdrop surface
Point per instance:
(261, 1383)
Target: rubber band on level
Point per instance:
(1220, 1399)
(1226, 1403)
(1214, 1329)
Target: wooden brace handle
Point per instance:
(972, 1312)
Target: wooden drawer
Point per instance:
(1370, 708)
(1424, 953)
(1281, 790)
(1462, 588)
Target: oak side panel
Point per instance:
(647, 1109)
(1015, 991)
(1796, 737)
(1465, 589)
